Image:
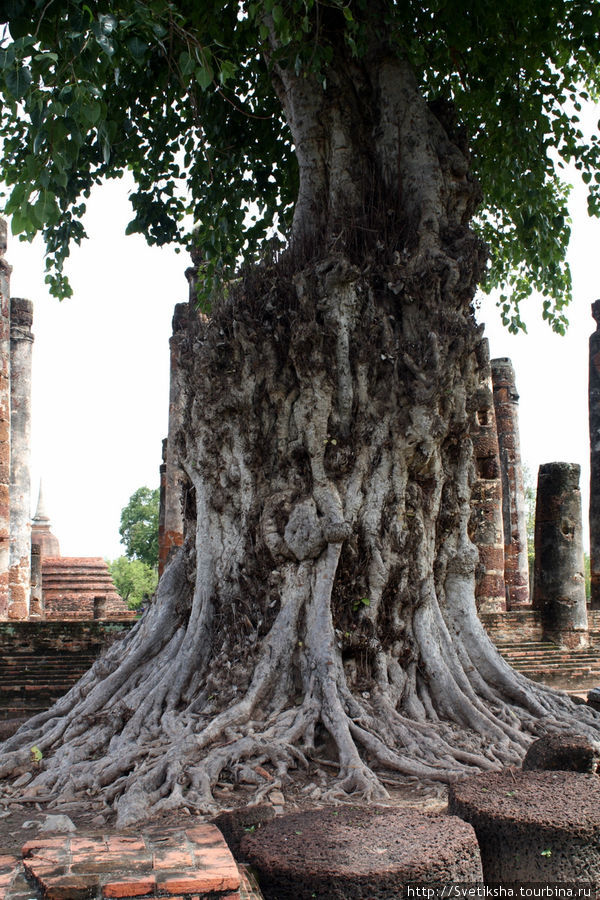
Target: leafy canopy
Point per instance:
(139, 526)
(134, 580)
(180, 93)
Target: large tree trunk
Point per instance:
(323, 602)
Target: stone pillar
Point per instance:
(21, 340)
(36, 604)
(514, 513)
(162, 546)
(174, 475)
(486, 500)
(559, 582)
(5, 271)
(594, 417)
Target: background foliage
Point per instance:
(180, 93)
(139, 526)
(134, 580)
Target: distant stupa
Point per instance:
(40, 530)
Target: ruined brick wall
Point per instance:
(4, 422)
(514, 514)
(485, 525)
(520, 625)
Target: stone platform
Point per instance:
(538, 827)
(192, 863)
(354, 853)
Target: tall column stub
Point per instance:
(162, 546)
(559, 582)
(5, 271)
(514, 513)
(21, 341)
(486, 528)
(174, 477)
(594, 423)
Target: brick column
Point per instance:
(559, 582)
(174, 475)
(594, 417)
(36, 603)
(5, 271)
(21, 341)
(162, 546)
(514, 515)
(486, 499)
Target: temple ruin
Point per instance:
(36, 582)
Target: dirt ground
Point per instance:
(21, 821)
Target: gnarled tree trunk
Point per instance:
(324, 597)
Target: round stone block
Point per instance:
(568, 752)
(535, 826)
(351, 853)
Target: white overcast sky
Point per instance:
(101, 369)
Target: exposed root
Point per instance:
(325, 609)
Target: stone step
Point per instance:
(20, 712)
(523, 644)
(554, 660)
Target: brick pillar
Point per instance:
(162, 546)
(174, 475)
(514, 514)
(21, 341)
(559, 582)
(36, 604)
(594, 417)
(486, 500)
(5, 271)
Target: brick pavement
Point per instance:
(181, 863)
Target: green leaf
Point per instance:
(186, 64)
(18, 81)
(227, 71)
(91, 112)
(204, 76)
(36, 754)
(137, 47)
(19, 222)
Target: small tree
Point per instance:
(134, 580)
(139, 526)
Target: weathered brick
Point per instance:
(71, 887)
(172, 859)
(7, 861)
(202, 882)
(110, 862)
(129, 887)
(125, 843)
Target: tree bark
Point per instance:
(323, 602)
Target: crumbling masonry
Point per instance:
(15, 431)
(498, 521)
(514, 514)
(35, 581)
